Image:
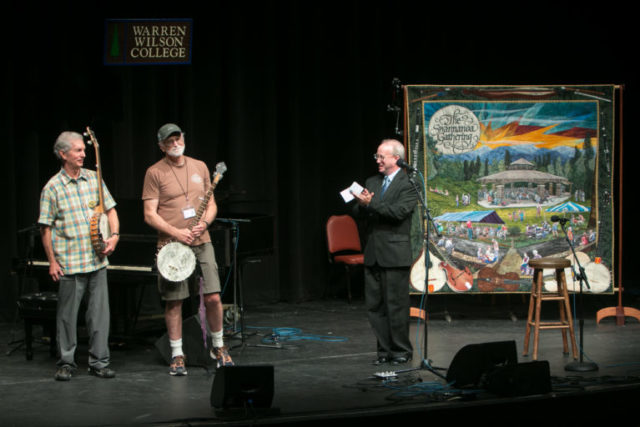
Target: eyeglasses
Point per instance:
(172, 140)
(377, 156)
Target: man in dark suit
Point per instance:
(387, 204)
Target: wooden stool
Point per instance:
(535, 301)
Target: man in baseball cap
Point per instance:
(172, 189)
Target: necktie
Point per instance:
(385, 184)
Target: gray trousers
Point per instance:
(71, 291)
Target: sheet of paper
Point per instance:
(347, 192)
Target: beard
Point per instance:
(176, 151)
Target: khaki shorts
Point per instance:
(171, 291)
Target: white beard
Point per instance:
(176, 151)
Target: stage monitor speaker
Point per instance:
(259, 279)
(242, 387)
(474, 360)
(522, 379)
(192, 344)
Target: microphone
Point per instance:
(556, 218)
(401, 163)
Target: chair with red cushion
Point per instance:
(343, 241)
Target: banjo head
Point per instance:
(176, 261)
(599, 277)
(100, 231)
(550, 285)
(573, 285)
(103, 227)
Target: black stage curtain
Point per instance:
(292, 95)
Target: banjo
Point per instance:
(175, 260)
(99, 223)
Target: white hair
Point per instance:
(63, 143)
(397, 148)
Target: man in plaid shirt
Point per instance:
(66, 208)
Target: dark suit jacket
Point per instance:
(388, 222)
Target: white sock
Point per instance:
(176, 347)
(216, 338)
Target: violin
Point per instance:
(489, 280)
(458, 280)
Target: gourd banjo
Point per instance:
(175, 260)
(99, 224)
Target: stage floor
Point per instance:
(323, 371)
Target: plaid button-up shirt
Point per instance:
(66, 205)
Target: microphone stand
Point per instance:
(581, 365)
(395, 104)
(426, 219)
(237, 285)
(238, 292)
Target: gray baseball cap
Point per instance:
(167, 130)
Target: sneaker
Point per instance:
(177, 368)
(63, 373)
(221, 355)
(102, 372)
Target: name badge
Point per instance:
(188, 212)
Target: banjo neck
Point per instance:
(202, 207)
(175, 260)
(99, 224)
(217, 176)
(99, 208)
